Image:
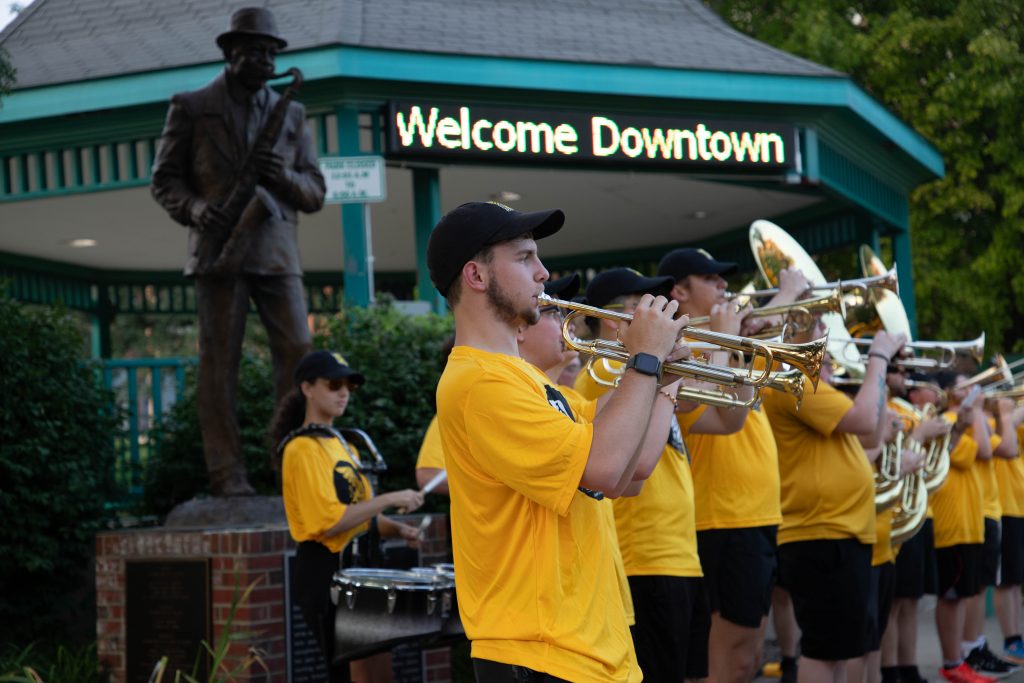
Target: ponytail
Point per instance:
(288, 416)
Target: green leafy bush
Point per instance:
(63, 665)
(400, 356)
(56, 473)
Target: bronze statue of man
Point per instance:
(236, 139)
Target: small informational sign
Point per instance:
(354, 180)
(167, 613)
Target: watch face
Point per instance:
(645, 363)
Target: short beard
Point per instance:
(506, 310)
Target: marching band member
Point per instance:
(1003, 445)
(536, 581)
(959, 532)
(736, 488)
(656, 529)
(828, 524)
(1010, 474)
(327, 500)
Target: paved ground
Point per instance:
(928, 652)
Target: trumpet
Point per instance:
(996, 375)
(949, 351)
(805, 310)
(912, 510)
(805, 357)
(888, 281)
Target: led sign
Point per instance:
(451, 131)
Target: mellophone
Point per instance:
(376, 609)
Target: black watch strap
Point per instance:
(645, 364)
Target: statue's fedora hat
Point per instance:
(251, 21)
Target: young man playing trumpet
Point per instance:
(828, 510)
(736, 484)
(655, 528)
(534, 570)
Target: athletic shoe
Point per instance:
(1015, 653)
(964, 674)
(984, 661)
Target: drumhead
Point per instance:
(385, 579)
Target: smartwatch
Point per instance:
(645, 364)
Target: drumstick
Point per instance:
(433, 483)
(424, 523)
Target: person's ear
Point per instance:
(474, 276)
(680, 292)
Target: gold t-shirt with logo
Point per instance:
(828, 489)
(986, 471)
(431, 454)
(956, 505)
(656, 529)
(1010, 475)
(320, 478)
(535, 571)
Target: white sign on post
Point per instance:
(354, 180)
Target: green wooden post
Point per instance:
(358, 276)
(426, 192)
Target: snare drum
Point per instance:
(379, 608)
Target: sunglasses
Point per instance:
(335, 384)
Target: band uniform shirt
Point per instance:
(587, 409)
(735, 476)
(320, 478)
(957, 504)
(431, 453)
(828, 488)
(1010, 475)
(656, 529)
(535, 575)
(986, 471)
(882, 551)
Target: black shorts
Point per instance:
(670, 635)
(958, 571)
(1012, 566)
(988, 572)
(883, 582)
(916, 573)
(829, 582)
(739, 572)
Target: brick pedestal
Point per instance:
(237, 557)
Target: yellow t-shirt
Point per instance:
(956, 505)
(431, 454)
(882, 551)
(1010, 475)
(319, 479)
(735, 476)
(656, 529)
(828, 488)
(536, 577)
(986, 471)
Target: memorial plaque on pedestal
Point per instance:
(167, 614)
(305, 661)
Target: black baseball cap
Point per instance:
(328, 365)
(564, 288)
(465, 230)
(679, 263)
(609, 284)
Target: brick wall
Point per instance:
(237, 557)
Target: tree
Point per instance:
(7, 73)
(952, 69)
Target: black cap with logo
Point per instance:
(617, 282)
(680, 263)
(327, 365)
(564, 288)
(465, 230)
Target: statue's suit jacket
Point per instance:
(201, 152)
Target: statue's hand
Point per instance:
(271, 167)
(212, 219)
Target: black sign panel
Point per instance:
(167, 613)
(446, 132)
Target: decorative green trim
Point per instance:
(844, 176)
(426, 192)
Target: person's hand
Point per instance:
(654, 328)
(964, 418)
(409, 534)
(405, 500)
(887, 344)
(752, 325)
(931, 429)
(681, 351)
(1004, 407)
(793, 283)
(210, 218)
(728, 317)
(270, 165)
(911, 460)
